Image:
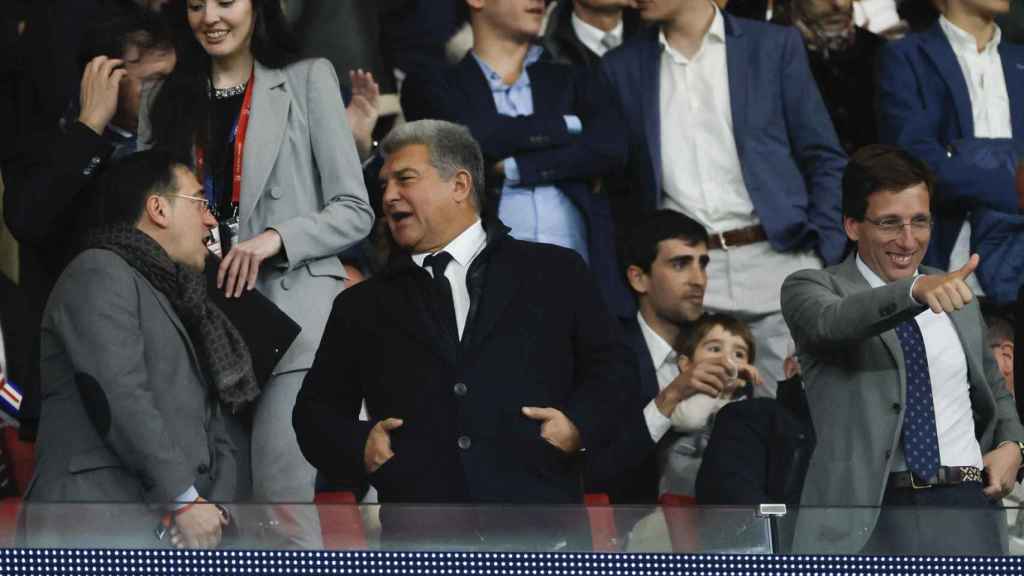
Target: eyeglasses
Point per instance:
(206, 203)
(892, 226)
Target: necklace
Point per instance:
(222, 93)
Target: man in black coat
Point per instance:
(487, 363)
(580, 32)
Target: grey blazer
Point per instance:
(126, 413)
(855, 378)
(301, 176)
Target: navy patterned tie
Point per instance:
(920, 440)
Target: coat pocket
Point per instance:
(329, 266)
(94, 459)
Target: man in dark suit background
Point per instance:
(725, 124)
(542, 142)
(486, 363)
(580, 32)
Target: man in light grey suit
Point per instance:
(135, 366)
(908, 404)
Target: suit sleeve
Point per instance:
(904, 121)
(820, 319)
(599, 151)
(326, 414)
(432, 96)
(815, 147)
(48, 180)
(604, 366)
(345, 217)
(99, 329)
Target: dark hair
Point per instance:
(180, 113)
(689, 337)
(641, 246)
(878, 168)
(133, 26)
(125, 185)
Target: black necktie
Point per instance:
(444, 305)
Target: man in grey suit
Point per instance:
(136, 364)
(908, 404)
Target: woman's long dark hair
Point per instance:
(180, 114)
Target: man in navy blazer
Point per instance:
(543, 145)
(738, 139)
(948, 94)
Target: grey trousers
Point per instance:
(280, 474)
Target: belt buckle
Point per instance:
(721, 238)
(915, 485)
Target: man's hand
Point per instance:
(378, 444)
(555, 428)
(711, 377)
(946, 292)
(101, 82)
(1002, 465)
(363, 110)
(240, 267)
(198, 526)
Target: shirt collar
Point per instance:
(874, 280)
(463, 248)
(963, 41)
(660, 350)
(591, 36)
(715, 33)
(494, 79)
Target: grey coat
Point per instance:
(126, 415)
(300, 176)
(855, 378)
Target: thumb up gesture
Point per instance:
(946, 292)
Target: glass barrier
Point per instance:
(989, 532)
(618, 529)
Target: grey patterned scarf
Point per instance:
(222, 353)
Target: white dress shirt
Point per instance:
(990, 109)
(701, 169)
(663, 358)
(464, 249)
(592, 36)
(947, 368)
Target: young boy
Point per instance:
(713, 335)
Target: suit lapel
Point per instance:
(650, 79)
(168, 309)
(853, 282)
(938, 50)
(648, 375)
(270, 105)
(472, 79)
(1013, 73)
(547, 84)
(738, 64)
(408, 311)
(504, 275)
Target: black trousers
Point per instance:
(940, 521)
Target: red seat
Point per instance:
(681, 512)
(9, 508)
(21, 456)
(603, 533)
(341, 522)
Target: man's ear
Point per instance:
(157, 211)
(475, 4)
(852, 228)
(637, 279)
(462, 184)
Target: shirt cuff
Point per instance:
(657, 424)
(573, 124)
(186, 498)
(912, 284)
(511, 171)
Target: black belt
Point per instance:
(946, 476)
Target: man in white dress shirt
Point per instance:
(952, 95)
(726, 125)
(908, 404)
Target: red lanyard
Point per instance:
(241, 127)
